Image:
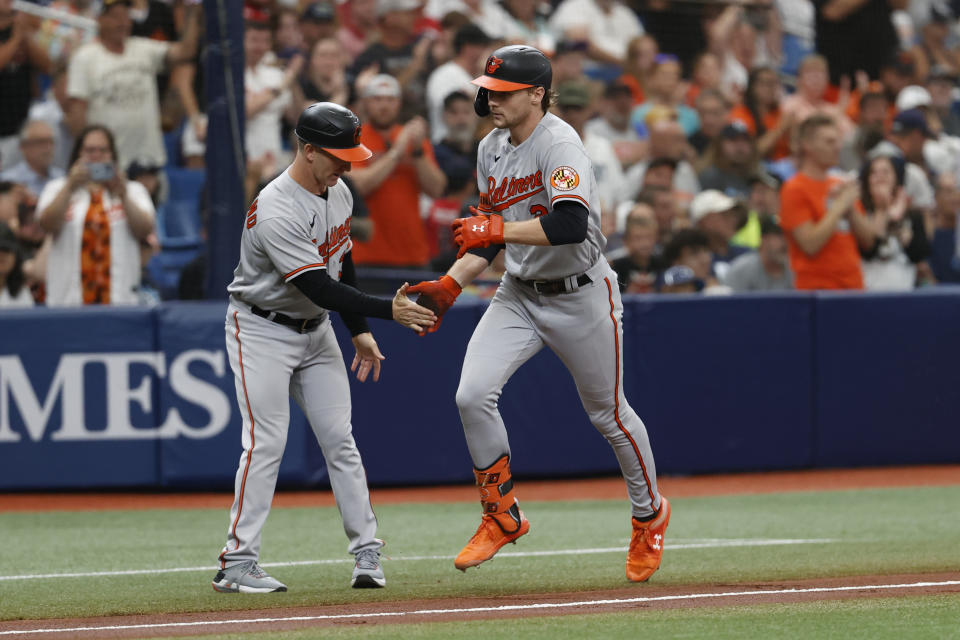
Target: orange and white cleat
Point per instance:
(502, 521)
(646, 544)
(489, 538)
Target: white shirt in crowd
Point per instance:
(600, 127)
(610, 32)
(22, 300)
(492, 18)
(890, 270)
(540, 36)
(263, 134)
(444, 80)
(121, 93)
(606, 168)
(797, 17)
(63, 263)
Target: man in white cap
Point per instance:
(940, 150)
(719, 216)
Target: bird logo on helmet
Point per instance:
(493, 63)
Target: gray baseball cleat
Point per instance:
(367, 573)
(246, 577)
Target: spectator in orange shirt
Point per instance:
(824, 231)
(761, 113)
(706, 75)
(638, 65)
(402, 167)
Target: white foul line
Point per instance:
(708, 543)
(512, 607)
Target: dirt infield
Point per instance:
(626, 598)
(646, 597)
(597, 488)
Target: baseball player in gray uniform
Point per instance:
(539, 202)
(295, 266)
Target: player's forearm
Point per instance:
(566, 224)
(526, 232)
(329, 294)
(466, 269)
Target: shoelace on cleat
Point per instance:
(368, 559)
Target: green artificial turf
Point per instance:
(931, 617)
(872, 531)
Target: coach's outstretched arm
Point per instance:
(330, 294)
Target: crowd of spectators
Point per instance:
(738, 145)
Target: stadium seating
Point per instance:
(179, 228)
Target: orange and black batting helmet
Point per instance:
(334, 129)
(511, 68)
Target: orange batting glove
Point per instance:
(480, 230)
(436, 295)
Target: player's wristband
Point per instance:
(488, 253)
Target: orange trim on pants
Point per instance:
(243, 483)
(616, 395)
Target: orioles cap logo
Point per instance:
(493, 63)
(356, 135)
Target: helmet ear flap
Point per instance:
(480, 104)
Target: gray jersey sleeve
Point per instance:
(570, 173)
(482, 186)
(288, 245)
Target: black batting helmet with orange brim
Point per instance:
(333, 128)
(512, 68)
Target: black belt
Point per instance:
(551, 287)
(300, 325)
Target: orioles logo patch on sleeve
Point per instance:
(564, 178)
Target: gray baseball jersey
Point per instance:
(526, 181)
(583, 326)
(290, 231)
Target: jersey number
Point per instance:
(538, 210)
(252, 215)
